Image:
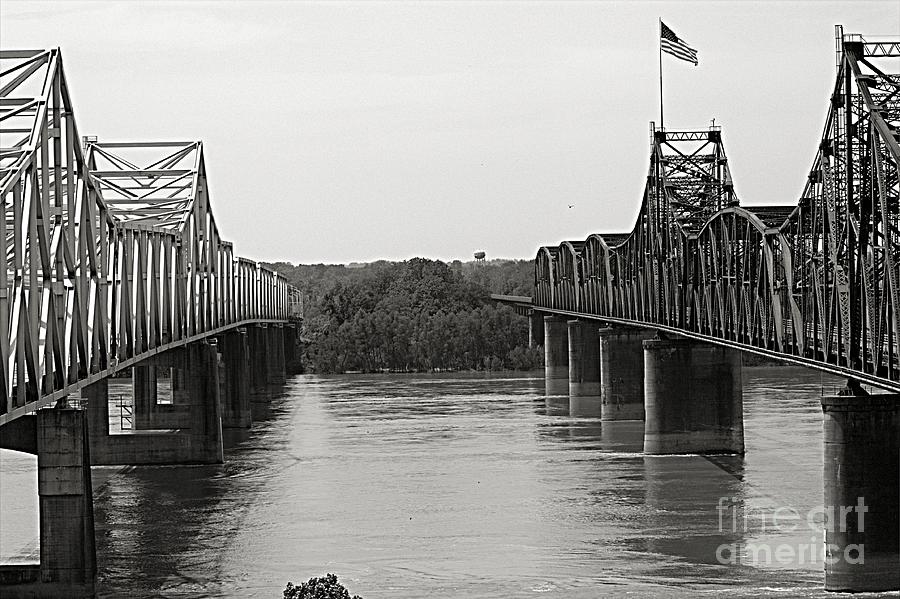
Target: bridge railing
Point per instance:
(817, 282)
(92, 286)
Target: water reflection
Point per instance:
(150, 528)
(584, 407)
(690, 503)
(163, 530)
(625, 436)
(578, 420)
(269, 406)
(555, 405)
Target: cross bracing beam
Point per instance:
(112, 251)
(817, 283)
(155, 183)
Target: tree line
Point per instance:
(413, 316)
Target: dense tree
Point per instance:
(325, 587)
(416, 315)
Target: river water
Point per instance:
(461, 486)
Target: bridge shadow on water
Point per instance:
(695, 514)
(160, 529)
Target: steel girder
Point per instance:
(112, 251)
(818, 282)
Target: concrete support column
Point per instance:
(223, 390)
(291, 355)
(862, 493)
(235, 383)
(280, 347)
(258, 358)
(622, 373)
(692, 397)
(535, 329)
(148, 412)
(143, 380)
(68, 557)
(584, 368)
(556, 356)
(206, 410)
(179, 386)
(275, 372)
(96, 396)
(193, 432)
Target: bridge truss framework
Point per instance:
(816, 283)
(112, 250)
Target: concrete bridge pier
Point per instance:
(692, 397)
(144, 391)
(234, 379)
(206, 406)
(862, 493)
(148, 412)
(68, 567)
(292, 364)
(199, 441)
(275, 370)
(584, 368)
(178, 376)
(535, 328)
(68, 556)
(556, 356)
(258, 346)
(622, 372)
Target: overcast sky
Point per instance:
(339, 132)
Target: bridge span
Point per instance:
(115, 267)
(701, 278)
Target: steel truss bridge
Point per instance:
(112, 251)
(816, 283)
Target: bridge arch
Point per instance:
(545, 277)
(734, 283)
(597, 294)
(570, 271)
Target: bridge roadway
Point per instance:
(115, 267)
(649, 324)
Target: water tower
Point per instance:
(479, 258)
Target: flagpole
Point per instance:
(662, 121)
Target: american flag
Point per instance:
(672, 44)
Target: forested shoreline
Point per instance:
(420, 315)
